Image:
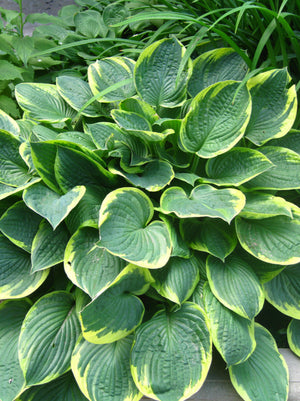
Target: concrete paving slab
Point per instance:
(37, 6)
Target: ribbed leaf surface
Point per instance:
(293, 336)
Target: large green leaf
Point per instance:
(20, 224)
(140, 107)
(125, 230)
(64, 388)
(7, 190)
(293, 336)
(12, 314)
(155, 175)
(274, 106)
(225, 326)
(215, 66)
(283, 291)
(235, 285)
(177, 280)
(16, 281)
(236, 166)
(13, 169)
(261, 206)
(76, 93)
(42, 102)
(285, 173)
(290, 141)
(90, 23)
(117, 311)
(48, 246)
(215, 237)
(103, 132)
(273, 240)
(108, 71)
(48, 337)
(264, 375)
(217, 119)
(7, 123)
(51, 205)
(89, 267)
(102, 371)
(179, 247)
(204, 200)
(171, 354)
(157, 74)
(73, 168)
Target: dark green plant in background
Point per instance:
(147, 213)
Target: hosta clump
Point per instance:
(146, 214)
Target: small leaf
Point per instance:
(108, 71)
(204, 200)
(205, 235)
(273, 240)
(156, 74)
(117, 311)
(264, 375)
(16, 281)
(171, 354)
(125, 230)
(142, 108)
(10, 71)
(235, 285)
(89, 23)
(216, 120)
(215, 66)
(48, 246)
(236, 166)
(177, 280)
(48, 336)
(43, 103)
(89, 267)
(102, 132)
(283, 291)
(12, 314)
(49, 204)
(293, 336)
(225, 325)
(274, 106)
(108, 365)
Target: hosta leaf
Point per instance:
(64, 388)
(129, 120)
(197, 296)
(125, 230)
(273, 240)
(236, 166)
(171, 354)
(16, 280)
(102, 371)
(102, 132)
(76, 93)
(264, 375)
(293, 336)
(7, 123)
(226, 325)
(20, 224)
(48, 336)
(179, 246)
(117, 311)
(43, 103)
(285, 173)
(48, 246)
(215, 66)
(177, 280)
(204, 200)
(283, 291)
(51, 205)
(90, 23)
(156, 74)
(12, 314)
(205, 235)
(274, 106)
(235, 285)
(216, 121)
(73, 168)
(89, 267)
(108, 71)
(290, 141)
(42, 133)
(43, 157)
(260, 206)
(142, 108)
(114, 13)
(77, 137)
(13, 169)
(154, 177)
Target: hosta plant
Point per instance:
(146, 214)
